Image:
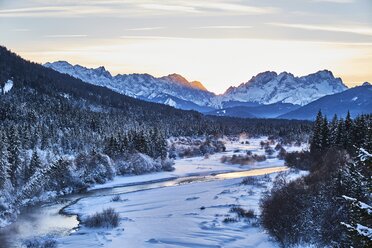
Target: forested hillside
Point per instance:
(331, 207)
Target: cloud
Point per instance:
(144, 29)
(65, 35)
(168, 7)
(147, 37)
(53, 11)
(131, 7)
(224, 27)
(233, 7)
(335, 1)
(362, 30)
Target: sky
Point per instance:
(220, 43)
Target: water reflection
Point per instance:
(250, 173)
(37, 221)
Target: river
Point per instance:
(47, 219)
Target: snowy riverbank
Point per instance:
(186, 215)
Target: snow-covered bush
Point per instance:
(94, 168)
(191, 146)
(167, 165)
(122, 167)
(140, 163)
(99, 169)
(7, 211)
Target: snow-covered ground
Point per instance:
(186, 215)
(201, 166)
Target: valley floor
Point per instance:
(188, 214)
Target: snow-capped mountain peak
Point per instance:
(178, 79)
(101, 71)
(270, 87)
(198, 85)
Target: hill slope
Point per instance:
(357, 100)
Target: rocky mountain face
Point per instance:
(172, 90)
(270, 87)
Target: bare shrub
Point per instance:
(40, 242)
(282, 153)
(242, 213)
(300, 160)
(230, 220)
(269, 150)
(107, 218)
(249, 181)
(259, 158)
(116, 198)
(278, 147)
(243, 159)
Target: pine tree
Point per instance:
(316, 141)
(35, 164)
(333, 131)
(13, 155)
(367, 145)
(112, 147)
(340, 135)
(140, 142)
(357, 185)
(348, 130)
(324, 134)
(125, 144)
(358, 133)
(26, 138)
(162, 146)
(4, 166)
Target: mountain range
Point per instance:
(173, 90)
(266, 95)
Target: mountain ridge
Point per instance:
(269, 88)
(142, 86)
